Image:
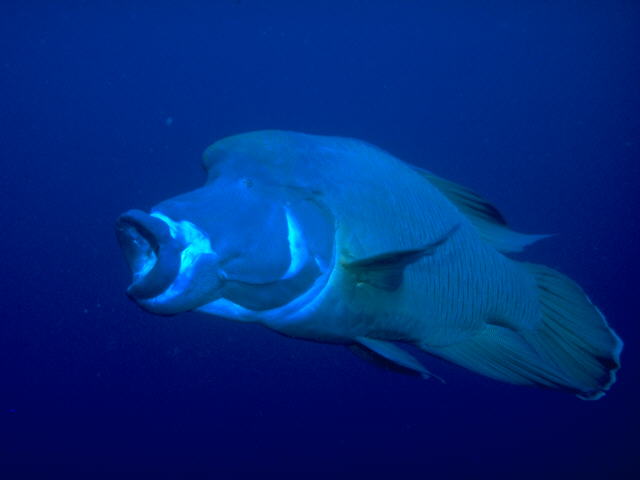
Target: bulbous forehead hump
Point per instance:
(292, 159)
(256, 152)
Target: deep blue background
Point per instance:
(105, 108)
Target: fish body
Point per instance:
(334, 240)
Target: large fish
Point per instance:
(332, 239)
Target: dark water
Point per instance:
(102, 109)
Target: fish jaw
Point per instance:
(168, 261)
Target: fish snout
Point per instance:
(151, 251)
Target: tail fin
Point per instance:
(572, 348)
(574, 334)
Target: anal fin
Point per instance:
(501, 353)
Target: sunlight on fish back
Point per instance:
(334, 240)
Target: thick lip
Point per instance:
(151, 252)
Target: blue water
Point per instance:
(105, 108)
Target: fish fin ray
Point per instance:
(574, 334)
(487, 219)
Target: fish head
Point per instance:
(236, 247)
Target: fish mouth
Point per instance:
(151, 251)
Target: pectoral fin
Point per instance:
(395, 356)
(385, 271)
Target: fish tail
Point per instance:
(574, 334)
(572, 348)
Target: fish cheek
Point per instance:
(257, 249)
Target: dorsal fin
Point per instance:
(483, 215)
